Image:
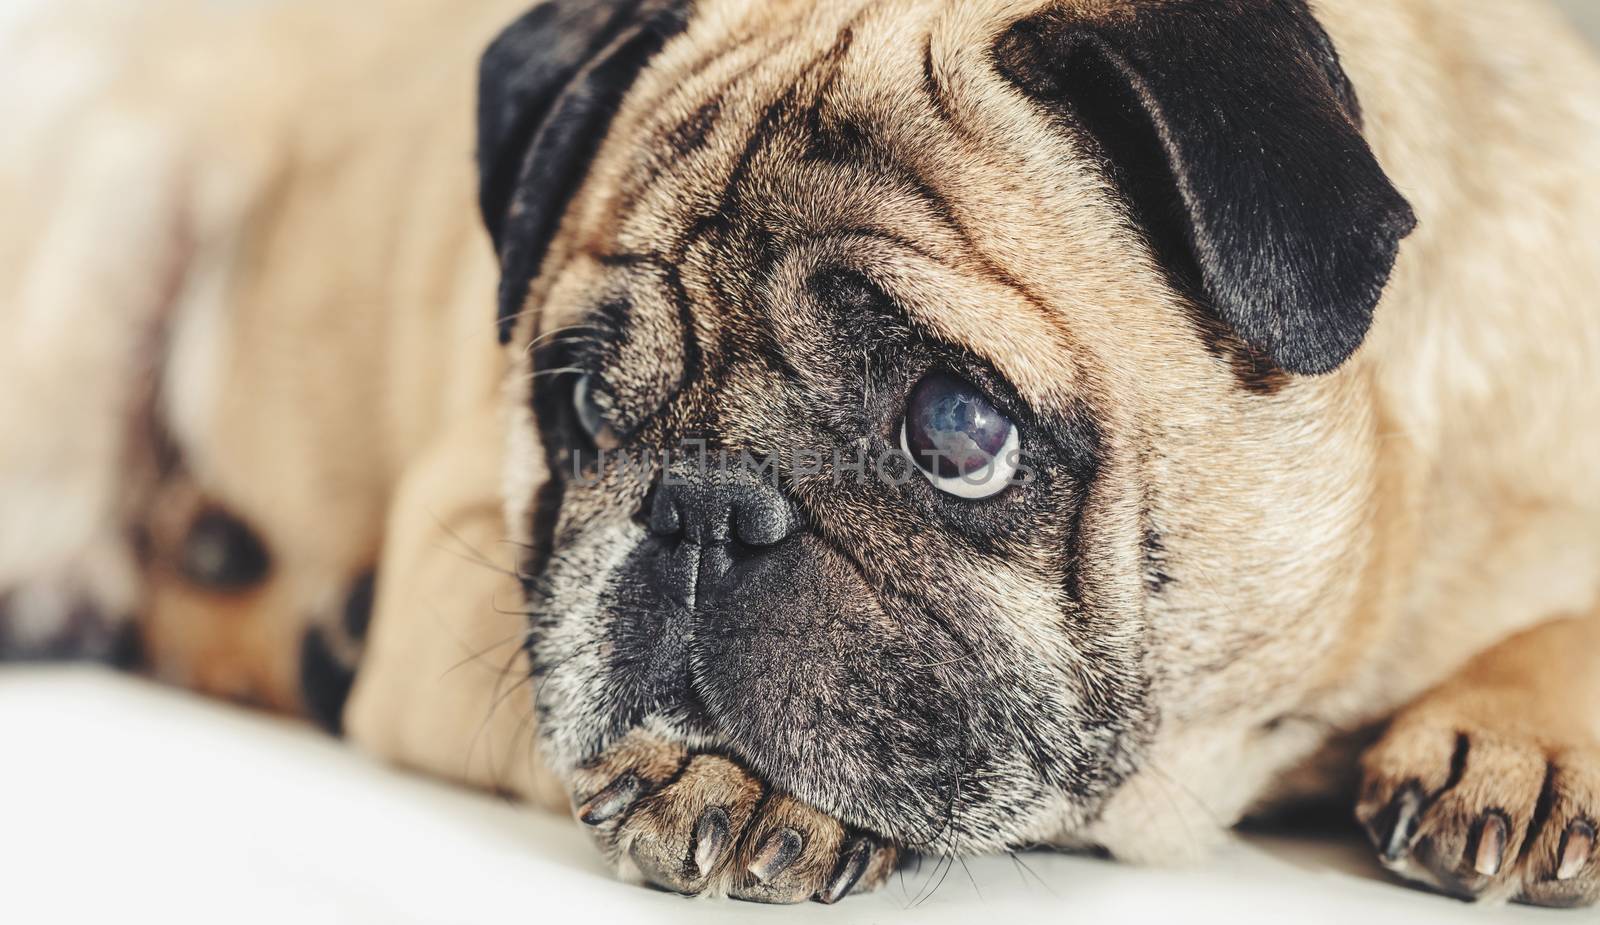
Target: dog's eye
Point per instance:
(959, 439)
(590, 417)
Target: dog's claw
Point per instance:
(1484, 815)
(611, 802)
(1494, 832)
(711, 837)
(851, 867)
(780, 850)
(1403, 815)
(1577, 846)
(702, 824)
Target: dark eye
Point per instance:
(959, 439)
(590, 416)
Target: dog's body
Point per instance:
(280, 273)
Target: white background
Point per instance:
(123, 803)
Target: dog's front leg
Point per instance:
(1489, 786)
(443, 685)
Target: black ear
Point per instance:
(548, 88)
(1233, 133)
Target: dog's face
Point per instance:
(999, 327)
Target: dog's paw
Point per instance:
(700, 824)
(1485, 815)
(69, 618)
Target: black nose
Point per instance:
(709, 521)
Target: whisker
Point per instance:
(941, 870)
(478, 655)
(559, 371)
(557, 333)
(1016, 858)
(470, 553)
(499, 699)
(1184, 790)
(972, 879)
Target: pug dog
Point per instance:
(867, 427)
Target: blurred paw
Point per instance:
(62, 621)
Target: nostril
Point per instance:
(764, 520)
(665, 518)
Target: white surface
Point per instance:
(124, 803)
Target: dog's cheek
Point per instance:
(569, 643)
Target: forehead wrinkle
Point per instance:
(967, 310)
(993, 312)
(566, 297)
(979, 306)
(624, 310)
(597, 220)
(882, 196)
(656, 167)
(817, 33)
(797, 31)
(1069, 240)
(654, 354)
(720, 249)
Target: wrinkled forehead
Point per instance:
(757, 157)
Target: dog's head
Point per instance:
(926, 401)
